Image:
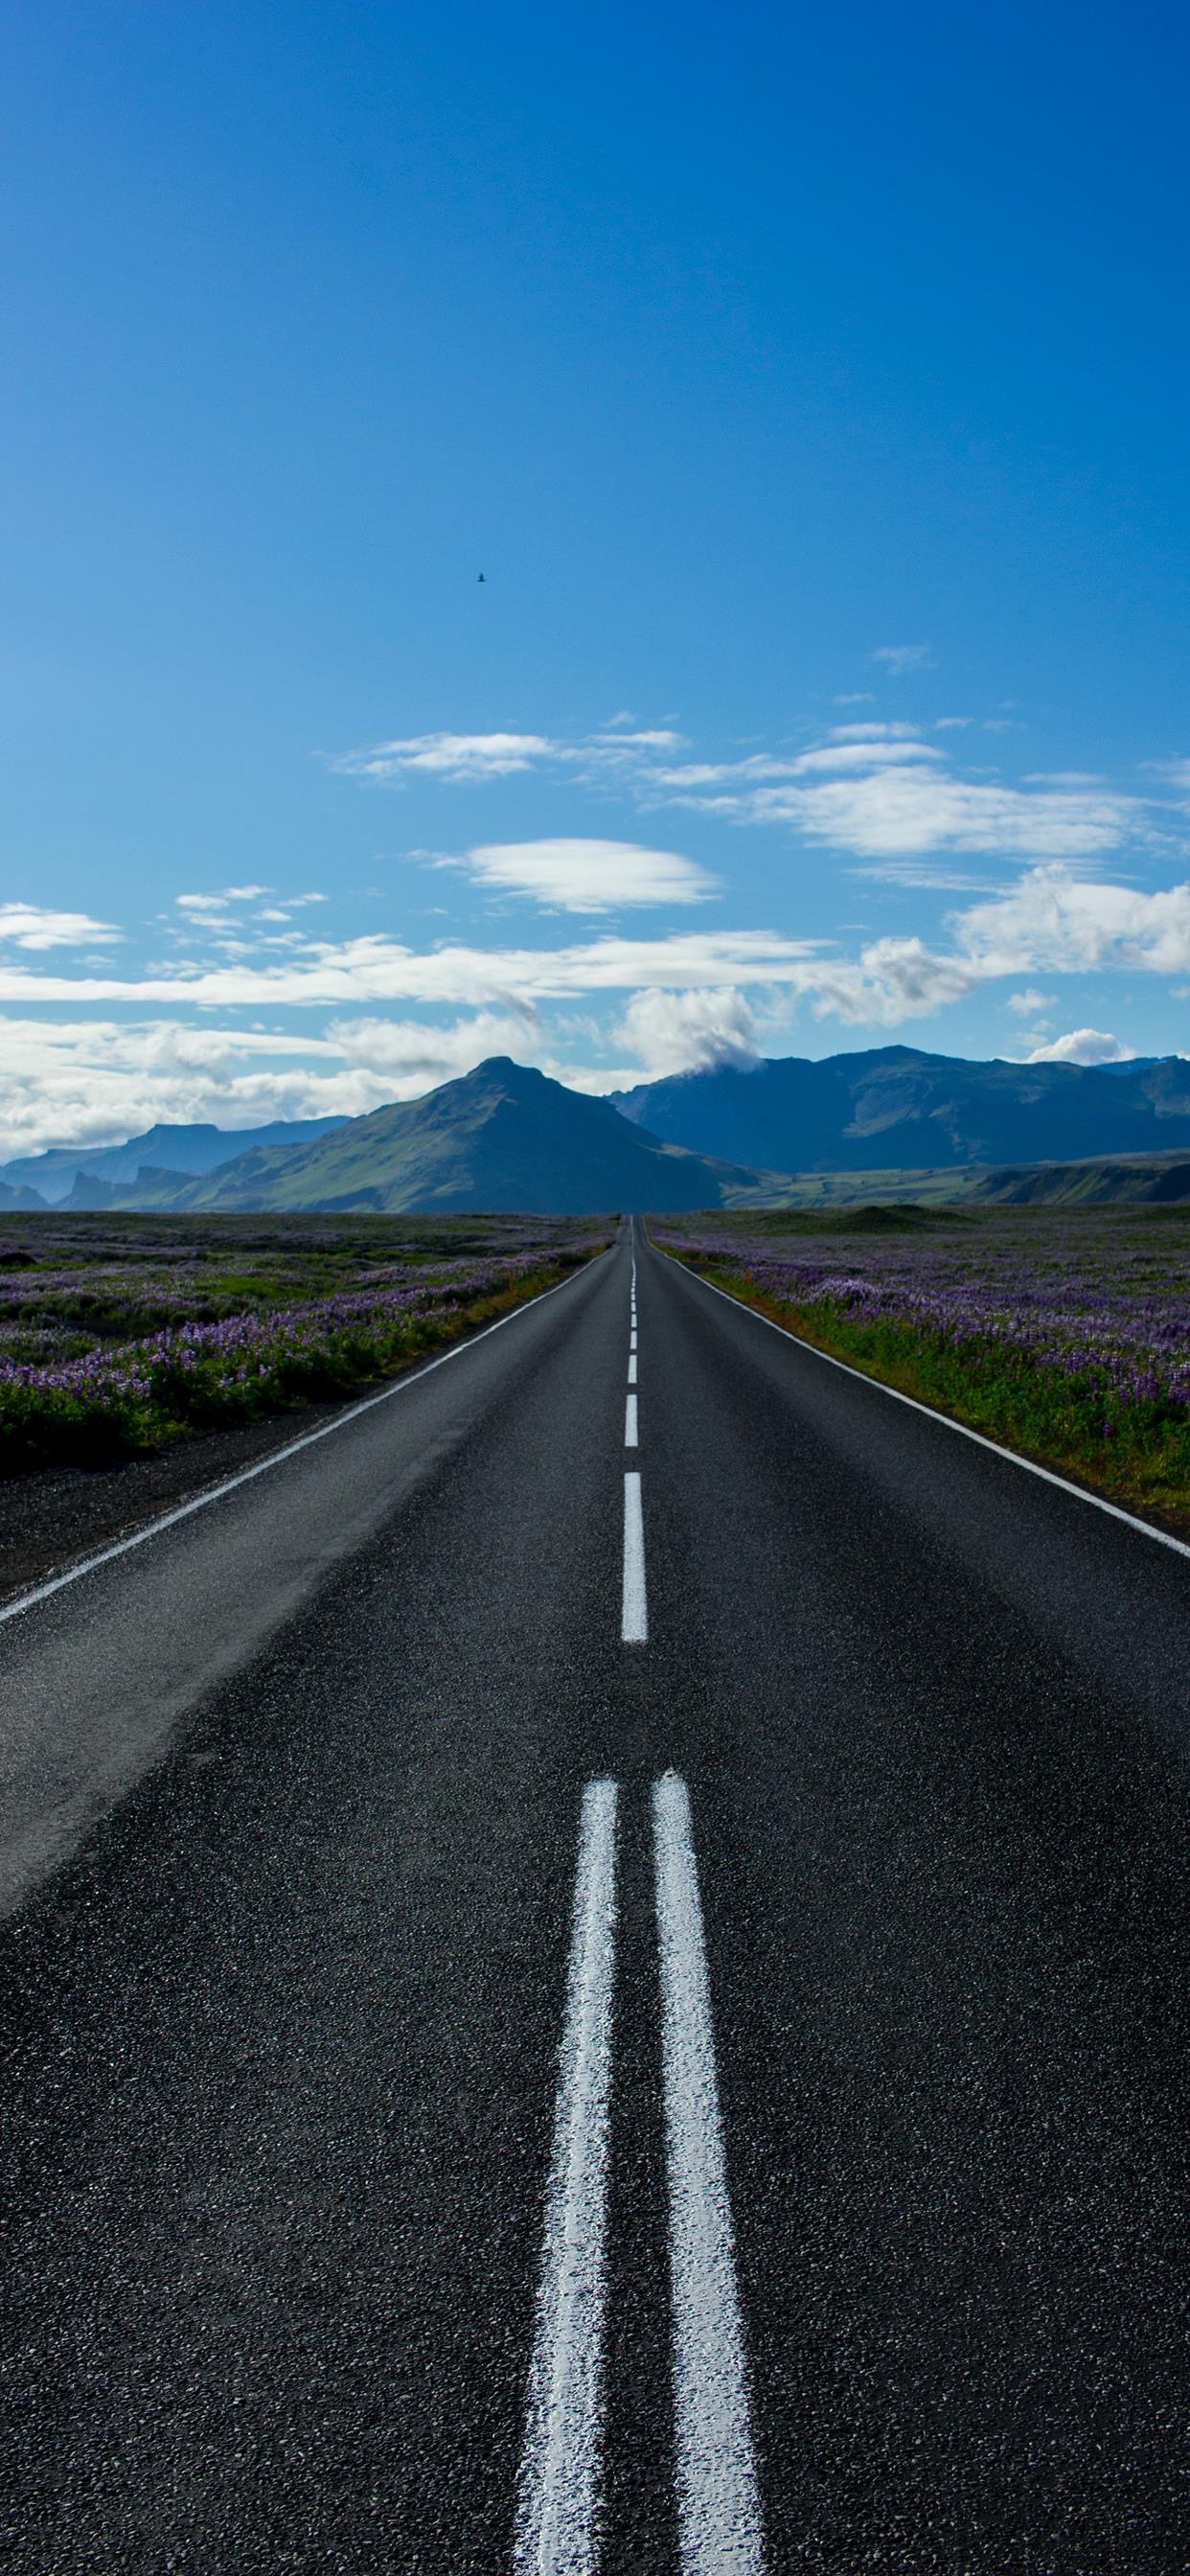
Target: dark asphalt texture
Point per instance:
(290, 1803)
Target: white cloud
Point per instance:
(1083, 1046)
(1050, 922)
(473, 759)
(1056, 923)
(872, 730)
(862, 755)
(892, 812)
(900, 659)
(586, 875)
(890, 981)
(459, 756)
(94, 1082)
(688, 1032)
(412, 1056)
(215, 903)
(927, 876)
(29, 925)
(1029, 1003)
(879, 792)
(379, 969)
(876, 791)
(659, 740)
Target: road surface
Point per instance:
(594, 1978)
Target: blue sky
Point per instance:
(811, 390)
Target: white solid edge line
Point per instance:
(632, 1366)
(276, 1458)
(630, 1433)
(718, 2496)
(555, 2532)
(1048, 1475)
(634, 1619)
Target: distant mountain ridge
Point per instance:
(504, 1137)
(187, 1149)
(507, 1137)
(892, 1108)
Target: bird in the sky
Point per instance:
(481, 576)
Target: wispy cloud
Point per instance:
(473, 759)
(469, 757)
(1175, 772)
(890, 798)
(30, 925)
(902, 659)
(586, 875)
(380, 969)
(877, 791)
(1049, 922)
(216, 902)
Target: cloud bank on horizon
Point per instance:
(243, 1001)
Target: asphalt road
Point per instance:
(556, 2023)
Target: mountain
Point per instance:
(29, 1200)
(176, 1149)
(503, 1137)
(1153, 1180)
(897, 1108)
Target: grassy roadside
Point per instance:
(138, 1396)
(1134, 1455)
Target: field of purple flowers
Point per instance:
(119, 1333)
(1063, 1333)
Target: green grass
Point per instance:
(123, 1333)
(1064, 1335)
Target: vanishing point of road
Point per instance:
(594, 1981)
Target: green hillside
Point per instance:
(1138, 1180)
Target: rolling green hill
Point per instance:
(1137, 1180)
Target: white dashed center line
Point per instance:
(632, 1357)
(634, 1621)
(555, 2533)
(719, 2501)
(630, 1439)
